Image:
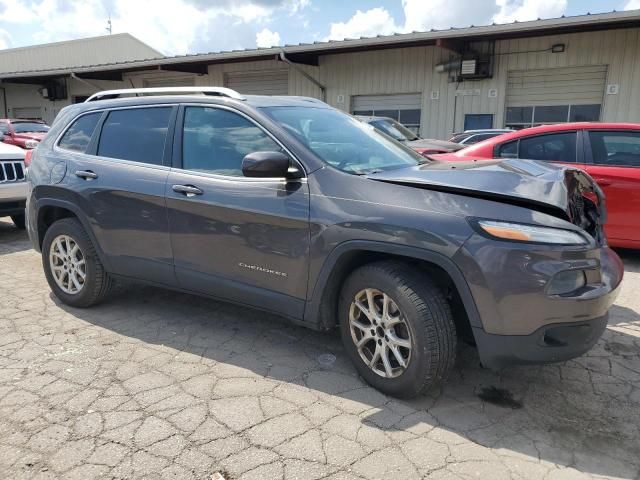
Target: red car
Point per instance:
(26, 134)
(609, 152)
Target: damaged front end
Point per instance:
(564, 192)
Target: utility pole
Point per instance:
(109, 26)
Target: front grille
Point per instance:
(12, 171)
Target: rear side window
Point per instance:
(78, 135)
(616, 148)
(555, 147)
(136, 134)
(216, 141)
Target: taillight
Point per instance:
(27, 158)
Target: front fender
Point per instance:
(313, 308)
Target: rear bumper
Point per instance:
(557, 342)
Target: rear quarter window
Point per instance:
(78, 135)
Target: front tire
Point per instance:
(397, 328)
(72, 267)
(19, 221)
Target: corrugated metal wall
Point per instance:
(412, 70)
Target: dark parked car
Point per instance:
(288, 205)
(471, 137)
(397, 131)
(23, 133)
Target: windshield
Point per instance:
(342, 141)
(394, 129)
(30, 127)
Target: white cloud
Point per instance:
(266, 38)
(5, 39)
(522, 10)
(423, 15)
(171, 26)
(377, 21)
(632, 5)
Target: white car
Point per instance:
(13, 185)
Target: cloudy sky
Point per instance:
(194, 26)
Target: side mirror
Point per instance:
(266, 165)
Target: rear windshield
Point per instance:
(394, 129)
(342, 141)
(30, 127)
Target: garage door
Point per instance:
(274, 82)
(169, 82)
(32, 113)
(405, 108)
(554, 95)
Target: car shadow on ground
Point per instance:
(580, 413)
(10, 238)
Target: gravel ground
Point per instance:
(156, 384)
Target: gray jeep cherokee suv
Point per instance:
(288, 205)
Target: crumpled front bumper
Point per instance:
(520, 321)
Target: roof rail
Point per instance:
(213, 91)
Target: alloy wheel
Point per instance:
(68, 265)
(380, 332)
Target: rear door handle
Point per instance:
(187, 190)
(86, 174)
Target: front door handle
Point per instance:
(86, 174)
(187, 190)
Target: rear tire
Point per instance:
(71, 265)
(19, 221)
(417, 332)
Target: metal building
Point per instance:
(520, 74)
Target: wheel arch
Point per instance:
(320, 311)
(50, 210)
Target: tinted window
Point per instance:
(552, 114)
(616, 148)
(216, 141)
(136, 134)
(519, 115)
(508, 150)
(584, 113)
(30, 127)
(560, 147)
(4, 128)
(78, 136)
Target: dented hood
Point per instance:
(523, 182)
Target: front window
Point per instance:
(394, 129)
(342, 141)
(30, 127)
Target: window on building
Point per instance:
(530, 116)
(78, 135)
(136, 134)
(478, 121)
(615, 148)
(558, 147)
(216, 141)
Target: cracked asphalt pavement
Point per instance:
(156, 384)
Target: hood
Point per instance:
(435, 144)
(31, 136)
(562, 191)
